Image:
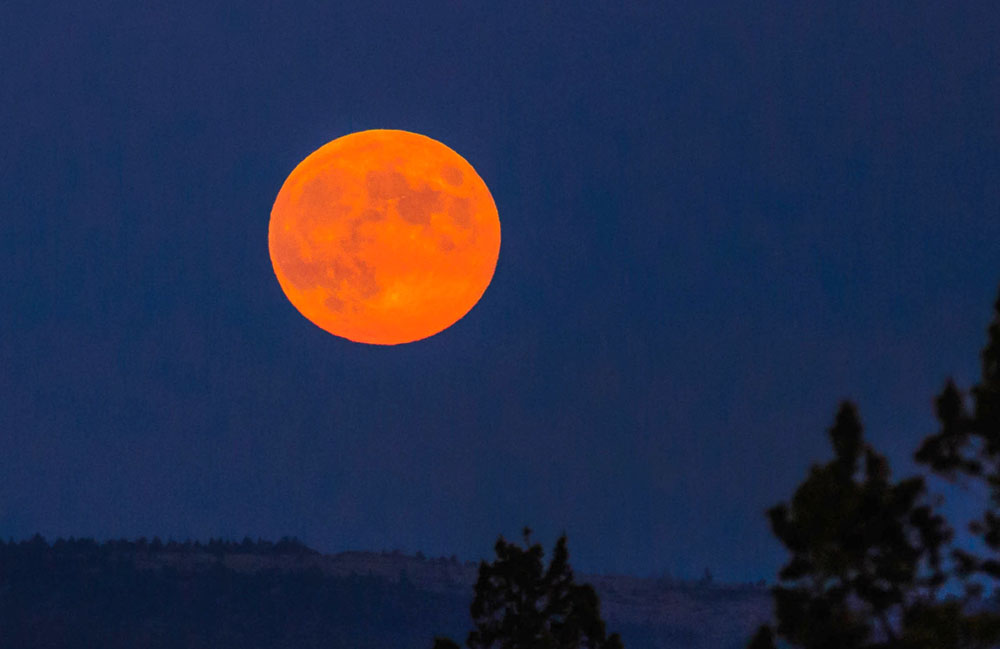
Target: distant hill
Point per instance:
(148, 594)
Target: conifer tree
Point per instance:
(968, 445)
(854, 580)
(853, 542)
(518, 605)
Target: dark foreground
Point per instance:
(137, 595)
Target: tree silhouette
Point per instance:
(948, 453)
(517, 605)
(866, 554)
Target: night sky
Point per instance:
(718, 221)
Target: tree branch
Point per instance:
(890, 634)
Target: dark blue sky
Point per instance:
(718, 221)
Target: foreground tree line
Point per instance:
(866, 552)
(865, 571)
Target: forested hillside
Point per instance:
(150, 594)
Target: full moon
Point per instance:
(384, 237)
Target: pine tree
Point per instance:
(517, 605)
(852, 542)
(858, 546)
(947, 453)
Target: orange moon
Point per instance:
(384, 237)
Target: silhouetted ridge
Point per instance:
(150, 593)
(285, 546)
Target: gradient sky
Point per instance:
(718, 221)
